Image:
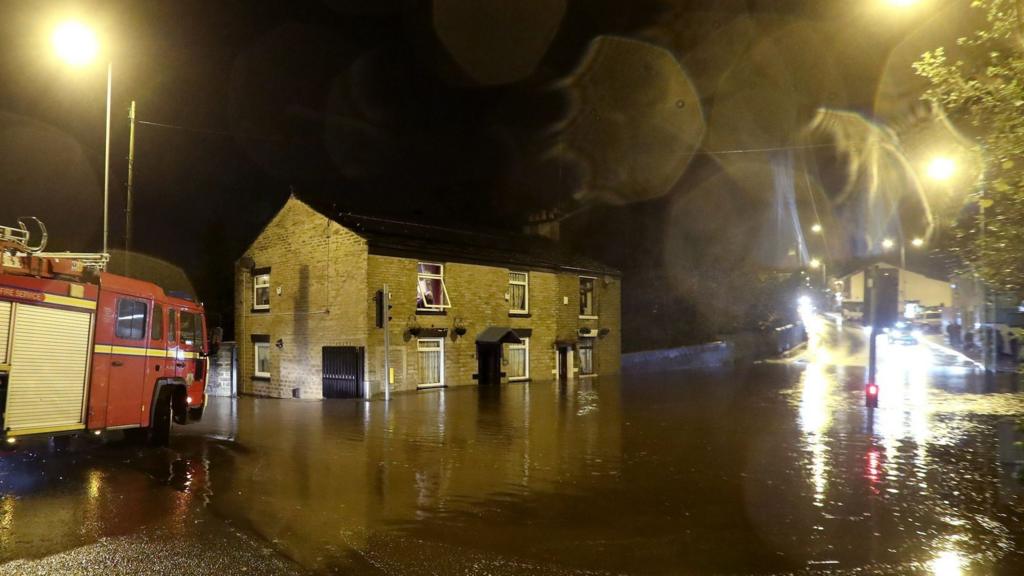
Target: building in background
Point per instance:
(915, 291)
(467, 307)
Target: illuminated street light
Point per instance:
(888, 243)
(77, 45)
(815, 263)
(902, 3)
(917, 242)
(816, 228)
(941, 168)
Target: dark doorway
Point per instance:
(563, 363)
(343, 372)
(488, 363)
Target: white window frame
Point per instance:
(440, 350)
(256, 358)
(525, 345)
(593, 299)
(592, 348)
(445, 301)
(526, 291)
(260, 281)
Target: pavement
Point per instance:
(776, 468)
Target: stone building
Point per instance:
(466, 307)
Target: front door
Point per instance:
(488, 363)
(342, 372)
(127, 358)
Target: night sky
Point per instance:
(457, 111)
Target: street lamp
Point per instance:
(917, 242)
(76, 44)
(941, 168)
(888, 243)
(816, 228)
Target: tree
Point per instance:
(984, 87)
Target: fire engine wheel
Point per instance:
(160, 427)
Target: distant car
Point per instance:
(931, 321)
(904, 333)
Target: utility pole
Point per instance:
(386, 297)
(131, 182)
(871, 390)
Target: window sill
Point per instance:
(518, 380)
(260, 310)
(422, 312)
(261, 377)
(588, 375)
(430, 386)
(512, 314)
(584, 317)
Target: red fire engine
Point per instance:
(85, 350)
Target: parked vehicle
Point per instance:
(85, 350)
(853, 311)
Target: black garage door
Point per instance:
(343, 372)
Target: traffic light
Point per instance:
(382, 304)
(871, 395)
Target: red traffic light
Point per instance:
(872, 390)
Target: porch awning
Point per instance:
(498, 335)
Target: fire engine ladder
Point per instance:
(87, 259)
(20, 236)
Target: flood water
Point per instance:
(772, 468)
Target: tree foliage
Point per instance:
(983, 88)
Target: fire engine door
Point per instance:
(175, 355)
(189, 345)
(127, 357)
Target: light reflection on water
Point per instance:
(766, 469)
(926, 448)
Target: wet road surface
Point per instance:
(769, 469)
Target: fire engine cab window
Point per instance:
(131, 319)
(157, 331)
(189, 328)
(170, 326)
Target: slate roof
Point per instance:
(389, 237)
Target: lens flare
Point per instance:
(941, 168)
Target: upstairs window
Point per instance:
(131, 319)
(588, 304)
(518, 292)
(431, 294)
(171, 325)
(261, 292)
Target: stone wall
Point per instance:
(478, 301)
(317, 298)
(220, 381)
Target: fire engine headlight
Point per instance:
(188, 399)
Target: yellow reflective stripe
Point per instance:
(134, 351)
(44, 430)
(69, 301)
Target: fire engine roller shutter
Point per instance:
(49, 363)
(5, 328)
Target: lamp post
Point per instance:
(816, 264)
(77, 45)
